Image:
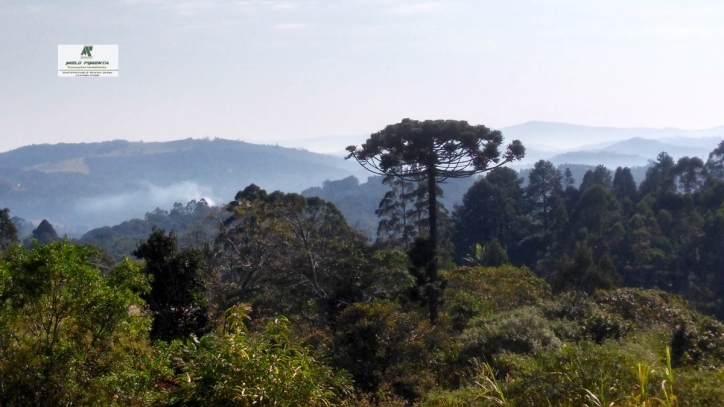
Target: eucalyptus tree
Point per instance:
(8, 231)
(715, 163)
(292, 255)
(433, 151)
(544, 188)
(489, 211)
(397, 227)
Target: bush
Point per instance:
(69, 335)
(559, 378)
(380, 345)
(243, 369)
(476, 291)
(523, 330)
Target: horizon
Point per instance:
(304, 143)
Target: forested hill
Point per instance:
(80, 186)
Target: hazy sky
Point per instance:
(265, 70)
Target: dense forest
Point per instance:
(547, 290)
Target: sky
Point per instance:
(263, 71)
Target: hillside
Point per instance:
(86, 185)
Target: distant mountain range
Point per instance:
(637, 151)
(563, 136)
(564, 143)
(613, 147)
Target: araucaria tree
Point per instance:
(433, 150)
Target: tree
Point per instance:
(490, 210)
(597, 209)
(69, 334)
(715, 163)
(292, 255)
(8, 232)
(690, 174)
(177, 296)
(568, 180)
(23, 227)
(45, 233)
(624, 185)
(659, 177)
(544, 187)
(598, 176)
(397, 228)
(434, 150)
(581, 273)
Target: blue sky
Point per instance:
(269, 70)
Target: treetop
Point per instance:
(450, 148)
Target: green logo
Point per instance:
(87, 51)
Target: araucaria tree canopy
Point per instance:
(413, 149)
(434, 150)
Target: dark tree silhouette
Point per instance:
(624, 185)
(176, 299)
(434, 150)
(8, 232)
(715, 163)
(45, 233)
(544, 188)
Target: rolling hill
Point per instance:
(81, 186)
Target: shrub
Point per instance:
(498, 288)
(69, 335)
(523, 330)
(380, 345)
(243, 369)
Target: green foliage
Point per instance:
(8, 232)
(287, 254)
(177, 297)
(485, 390)
(523, 330)
(494, 254)
(644, 308)
(543, 190)
(562, 378)
(581, 273)
(70, 335)
(378, 343)
(499, 288)
(240, 368)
